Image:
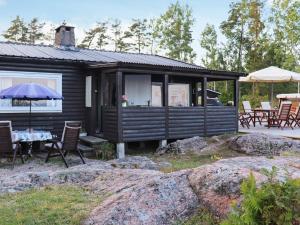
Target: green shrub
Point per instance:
(274, 203)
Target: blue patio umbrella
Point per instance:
(30, 92)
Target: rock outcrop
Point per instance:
(134, 162)
(218, 185)
(194, 144)
(139, 196)
(159, 199)
(263, 144)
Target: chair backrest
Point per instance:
(266, 105)
(5, 140)
(284, 110)
(74, 124)
(298, 113)
(71, 138)
(247, 107)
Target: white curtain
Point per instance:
(5, 82)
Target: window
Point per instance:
(179, 95)
(156, 98)
(138, 89)
(12, 78)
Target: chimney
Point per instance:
(65, 37)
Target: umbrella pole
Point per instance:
(272, 87)
(29, 115)
(298, 87)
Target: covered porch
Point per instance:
(138, 104)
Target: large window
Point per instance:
(179, 95)
(12, 78)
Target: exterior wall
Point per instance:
(143, 123)
(73, 105)
(221, 120)
(110, 123)
(185, 122)
(158, 123)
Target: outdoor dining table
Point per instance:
(269, 112)
(29, 137)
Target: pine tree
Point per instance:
(119, 37)
(208, 42)
(17, 31)
(98, 34)
(285, 21)
(139, 33)
(35, 32)
(174, 28)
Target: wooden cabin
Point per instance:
(123, 97)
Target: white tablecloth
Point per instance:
(35, 135)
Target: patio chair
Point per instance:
(68, 143)
(249, 112)
(283, 115)
(295, 117)
(8, 147)
(244, 120)
(266, 105)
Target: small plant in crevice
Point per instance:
(274, 203)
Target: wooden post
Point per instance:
(166, 103)
(236, 102)
(204, 103)
(119, 84)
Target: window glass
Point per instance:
(157, 94)
(138, 89)
(9, 79)
(179, 94)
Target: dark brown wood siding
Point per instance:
(110, 123)
(221, 120)
(143, 123)
(186, 122)
(73, 90)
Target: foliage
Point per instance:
(105, 151)
(119, 37)
(98, 34)
(17, 31)
(208, 42)
(174, 29)
(140, 35)
(274, 203)
(35, 32)
(49, 205)
(202, 217)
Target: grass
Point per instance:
(202, 217)
(192, 160)
(52, 205)
(180, 162)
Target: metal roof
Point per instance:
(31, 51)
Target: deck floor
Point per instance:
(286, 132)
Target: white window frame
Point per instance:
(40, 75)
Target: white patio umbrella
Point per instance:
(272, 75)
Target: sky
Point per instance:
(84, 13)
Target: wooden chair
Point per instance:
(265, 106)
(295, 117)
(283, 115)
(244, 120)
(68, 143)
(8, 147)
(249, 112)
